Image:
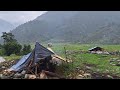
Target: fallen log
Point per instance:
(53, 74)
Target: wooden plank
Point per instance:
(52, 74)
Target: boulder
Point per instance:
(43, 75)
(31, 77)
(26, 76)
(88, 67)
(87, 75)
(79, 76)
(17, 75)
(1, 75)
(23, 72)
(109, 76)
(3, 67)
(118, 60)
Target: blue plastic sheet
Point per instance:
(17, 66)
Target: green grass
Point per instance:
(111, 47)
(12, 57)
(99, 63)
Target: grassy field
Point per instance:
(12, 57)
(97, 63)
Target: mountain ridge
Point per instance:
(5, 26)
(71, 26)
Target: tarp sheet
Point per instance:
(40, 52)
(17, 66)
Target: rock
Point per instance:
(16, 78)
(88, 67)
(23, 72)
(109, 76)
(87, 75)
(56, 61)
(2, 59)
(3, 67)
(43, 76)
(52, 77)
(118, 64)
(26, 76)
(81, 72)
(79, 76)
(17, 75)
(113, 64)
(118, 60)
(77, 68)
(5, 72)
(32, 77)
(98, 70)
(107, 70)
(1, 75)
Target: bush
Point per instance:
(2, 52)
(12, 48)
(26, 49)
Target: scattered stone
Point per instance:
(17, 75)
(109, 76)
(87, 75)
(2, 59)
(88, 67)
(79, 76)
(43, 76)
(31, 77)
(3, 67)
(98, 70)
(77, 68)
(81, 72)
(26, 76)
(23, 72)
(1, 75)
(118, 60)
(118, 64)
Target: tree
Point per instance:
(11, 46)
(26, 49)
(8, 37)
(0, 46)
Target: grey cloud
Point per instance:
(19, 16)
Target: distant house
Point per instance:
(98, 50)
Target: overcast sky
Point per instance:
(19, 16)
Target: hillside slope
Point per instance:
(5, 26)
(71, 26)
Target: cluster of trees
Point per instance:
(11, 46)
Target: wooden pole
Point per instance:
(52, 74)
(65, 53)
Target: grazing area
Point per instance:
(98, 65)
(60, 45)
(84, 65)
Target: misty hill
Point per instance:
(72, 26)
(5, 26)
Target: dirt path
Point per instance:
(2, 59)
